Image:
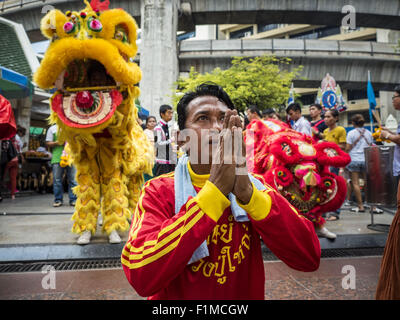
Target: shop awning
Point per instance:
(14, 85)
(142, 112)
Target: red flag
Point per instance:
(8, 127)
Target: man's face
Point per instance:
(167, 115)
(396, 101)
(204, 121)
(314, 112)
(294, 115)
(251, 116)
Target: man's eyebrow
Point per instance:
(203, 111)
(206, 112)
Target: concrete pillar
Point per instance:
(206, 32)
(158, 53)
(24, 118)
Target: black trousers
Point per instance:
(162, 168)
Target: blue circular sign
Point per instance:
(329, 99)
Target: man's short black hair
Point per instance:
(268, 111)
(317, 105)
(164, 108)
(397, 89)
(293, 106)
(253, 109)
(205, 89)
(20, 129)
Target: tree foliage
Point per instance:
(263, 81)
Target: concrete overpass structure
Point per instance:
(347, 61)
(160, 51)
(380, 14)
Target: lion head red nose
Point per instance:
(84, 99)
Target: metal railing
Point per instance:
(93, 264)
(273, 45)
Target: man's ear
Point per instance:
(182, 139)
(178, 141)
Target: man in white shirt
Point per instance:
(165, 158)
(300, 124)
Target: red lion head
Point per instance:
(297, 167)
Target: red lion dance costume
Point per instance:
(297, 167)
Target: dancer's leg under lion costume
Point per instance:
(89, 62)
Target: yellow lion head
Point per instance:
(89, 62)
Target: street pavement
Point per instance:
(281, 283)
(32, 220)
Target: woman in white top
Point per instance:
(357, 139)
(151, 122)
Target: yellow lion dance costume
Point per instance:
(89, 63)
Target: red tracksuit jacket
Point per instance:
(161, 243)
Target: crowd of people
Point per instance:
(13, 161)
(323, 126)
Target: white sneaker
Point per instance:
(84, 238)
(347, 203)
(324, 232)
(114, 237)
(100, 219)
(377, 210)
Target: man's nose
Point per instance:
(216, 125)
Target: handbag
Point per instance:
(8, 151)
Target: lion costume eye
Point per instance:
(327, 183)
(69, 27)
(329, 154)
(285, 150)
(121, 34)
(94, 24)
(73, 24)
